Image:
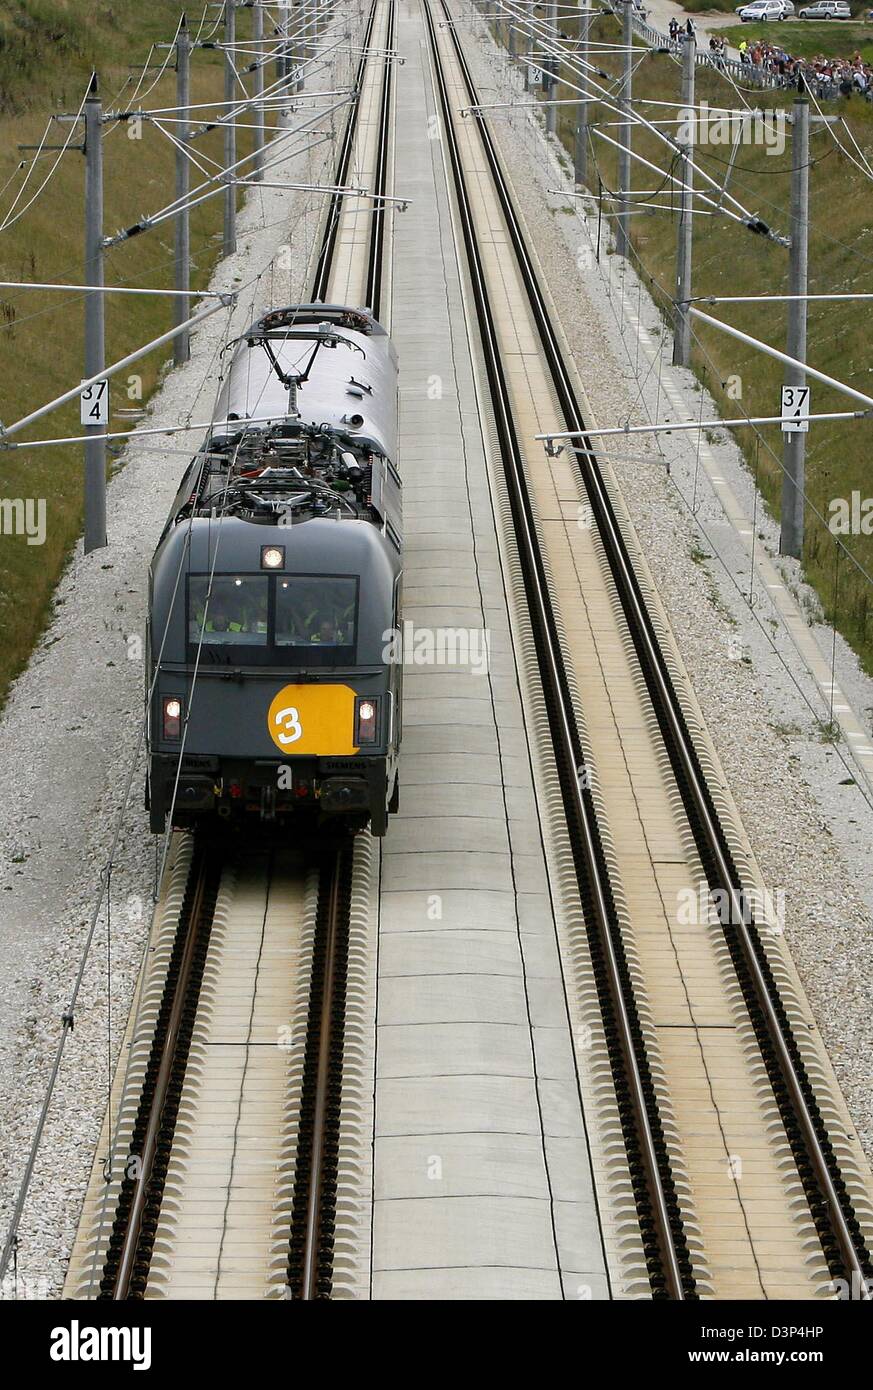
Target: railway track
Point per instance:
(276, 921)
(224, 1140)
(353, 261)
(325, 264)
(529, 382)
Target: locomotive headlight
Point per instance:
(272, 557)
(366, 721)
(172, 716)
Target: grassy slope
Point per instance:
(728, 260)
(47, 50)
(804, 39)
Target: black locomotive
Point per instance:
(276, 588)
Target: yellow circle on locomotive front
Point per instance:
(314, 719)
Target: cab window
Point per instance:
(317, 613)
(234, 611)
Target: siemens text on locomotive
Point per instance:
(276, 584)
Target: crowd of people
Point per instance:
(825, 77)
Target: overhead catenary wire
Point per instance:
(30, 166)
(237, 107)
(12, 217)
(849, 248)
(111, 370)
(166, 62)
(809, 501)
(10, 220)
(825, 126)
(217, 182)
(595, 93)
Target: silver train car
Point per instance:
(276, 586)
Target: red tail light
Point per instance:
(366, 720)
(172, 707)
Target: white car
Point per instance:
(827, 9)
(787, 7)
(761, 11)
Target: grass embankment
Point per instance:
(47, 51)
(730, 260)
(804, 39)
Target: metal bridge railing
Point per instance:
(748, 73)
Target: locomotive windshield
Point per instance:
(235, 612)
(316, 611)
(294, 614)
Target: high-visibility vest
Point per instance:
(231, 627)
(209, 627)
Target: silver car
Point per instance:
(760, 11)
(827, 9)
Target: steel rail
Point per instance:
(126, 1268)
(328, 245)
(654, 1206)
(828, 1197)
(313, 1211)
(373, 295)
(319, 1124)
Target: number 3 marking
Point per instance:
(289, 719)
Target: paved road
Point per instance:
(660, 12)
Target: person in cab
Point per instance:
(218, 619)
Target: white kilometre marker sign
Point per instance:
(796, 407)
(95, 403)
